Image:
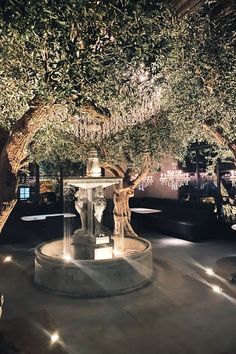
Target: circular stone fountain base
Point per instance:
(93, 278)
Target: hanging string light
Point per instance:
(89, 130)
(174, 179)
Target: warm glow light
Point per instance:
(176, 178)
(171, 241)
(7, 259)
(216, 288)
(210, 271)
(103, 253)
(67, 257)
(118, 253)
(54, 337)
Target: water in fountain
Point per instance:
(68, 223)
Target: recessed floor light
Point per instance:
(216, 288)
(54, 337)
(210, 271)
(67, 257)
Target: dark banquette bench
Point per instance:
(188, 220)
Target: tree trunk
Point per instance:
(122, 213)
(14, 151)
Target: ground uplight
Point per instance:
(54, 337)
(7, 259)
(210, 271)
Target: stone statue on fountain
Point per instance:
(81, 208)
(99, 205)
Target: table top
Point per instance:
(233, 227)
(145, 210)
(44, 216)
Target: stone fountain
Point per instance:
(93, 260)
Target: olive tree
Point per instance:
(200, 78)
(64, 59)
(130, 153)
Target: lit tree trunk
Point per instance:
(122, 212)
(14, 151)
(121, 196)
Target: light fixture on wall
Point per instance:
(146, 182)
(174, 179)
(177, 178)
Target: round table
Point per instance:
(233, 227)
(44, 216)
(142, 212)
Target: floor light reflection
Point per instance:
(171, 241)
(216, 289)
(7, 259)
(210, 271)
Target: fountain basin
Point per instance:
(93, 278)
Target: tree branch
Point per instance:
(5, 211)
(95, 111)
(14, 150)
(143, 173)
(219, 138)
(116, 170)
(23, 131)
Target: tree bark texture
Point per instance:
(122, 213)
(14, 151)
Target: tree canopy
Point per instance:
(200, 79)
(90, 53)
(124, 76)
(128, 60)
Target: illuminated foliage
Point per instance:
(122, 75)
(200, 79)
(79, 51)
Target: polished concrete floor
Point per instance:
(178, 313)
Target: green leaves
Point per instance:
(85, 42)
(117, 54)
(201, 86)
